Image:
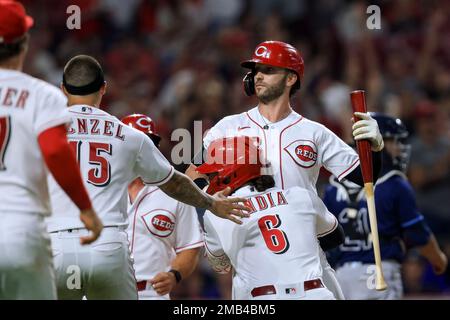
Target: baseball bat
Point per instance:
(358, 100)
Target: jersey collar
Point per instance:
(4, 73)
(390, 174)
(259, 119)
(85, 109)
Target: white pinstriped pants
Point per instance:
(98, 271)
(26, 267)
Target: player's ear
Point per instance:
(64, 90)
(25, 46)
(103, 88)
(291, 79)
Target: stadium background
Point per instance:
(178, 61)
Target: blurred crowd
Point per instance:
(178, 61)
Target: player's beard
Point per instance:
(273, 92)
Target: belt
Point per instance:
(75, 230)
(141, 285)
(270, 289)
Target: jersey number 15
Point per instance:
(99, 174)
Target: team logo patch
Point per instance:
(291, 291)
(262, 51)
(159, 222)
(144, 123)
(86, 109)
(303, 152)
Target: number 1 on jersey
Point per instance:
(275, 239)
(5, 133)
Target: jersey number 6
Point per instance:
(100, 175)
(276, 240)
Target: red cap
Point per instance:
(277, 54)
(14, 21)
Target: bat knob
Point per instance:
(380, 284)
(381, 287)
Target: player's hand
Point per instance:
(367, 128)
(228, 208)
(164, 282)
(92, 222)
(440, 266)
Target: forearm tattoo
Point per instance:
(181, 188)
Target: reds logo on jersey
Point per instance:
(159, 222)
(303, 152)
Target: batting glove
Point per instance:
(367, 128)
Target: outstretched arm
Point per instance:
(181, 188)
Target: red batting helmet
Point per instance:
(143, 123)
(277, 54)
(232, 162)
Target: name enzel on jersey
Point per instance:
(265, 201)
(96, 127)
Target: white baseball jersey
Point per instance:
(159, 228)
(110, 155)
(295, 147)
(28, 106)
(278, 243)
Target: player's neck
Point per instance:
(275, 110)
(134, 188)
(85, 100)
(14, 63)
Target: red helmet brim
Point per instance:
(249, 64)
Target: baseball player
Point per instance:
(164, 234)
(295, 147)
(110, 156)
(33, 122)
(275, 253)
(400, 225)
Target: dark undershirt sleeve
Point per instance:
(333, 239)
(355, 175)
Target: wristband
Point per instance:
(177, 274)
